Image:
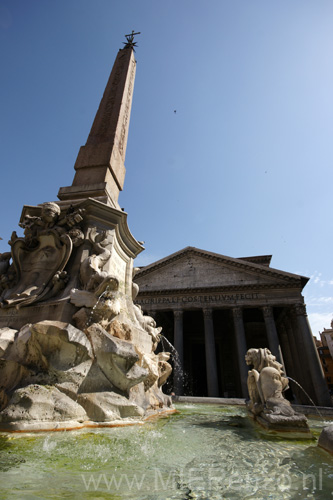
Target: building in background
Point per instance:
(213, 308)
(325, 351)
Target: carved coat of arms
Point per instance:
(39, 258)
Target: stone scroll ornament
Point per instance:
(37, 271)
(266, 383)
(98, 298)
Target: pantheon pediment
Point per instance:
(192, 268)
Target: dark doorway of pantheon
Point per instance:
(195, 370)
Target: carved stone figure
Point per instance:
(149, 324)
(98, 298)
(50, 219)
(146, 322)
(263, 383)
(40, 257)
(91, 270)
(100, 306)
(266, 384)
(7, 275)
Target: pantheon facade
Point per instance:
(214, 308)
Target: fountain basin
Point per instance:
(74, 425)
(204, 451)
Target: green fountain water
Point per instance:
(203, 452)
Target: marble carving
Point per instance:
(266, 384)
(98, 367)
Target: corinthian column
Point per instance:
(211, 368)
(272, 336)
(241, 348)
(312, 358)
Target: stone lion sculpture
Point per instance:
(266, 382)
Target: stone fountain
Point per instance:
(74, 349)
(266, 383)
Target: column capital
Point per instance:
(207, 312)
(300, 310)
(267, 311)
(178, 313)
(237, 312)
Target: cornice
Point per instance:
(218, 289)
(262, 260)
(98, 211)
(229, 261)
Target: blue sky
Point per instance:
(244, 166)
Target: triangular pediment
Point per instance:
(193, 268)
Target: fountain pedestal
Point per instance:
(266, 383)
(69, 323)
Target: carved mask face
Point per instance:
(50, 212)
(250, 357)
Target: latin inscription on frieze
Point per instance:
(200, 299)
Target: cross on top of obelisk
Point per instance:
(130, 40)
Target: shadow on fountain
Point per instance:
(247, 431)
(241, 426)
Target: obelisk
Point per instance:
(100, 168)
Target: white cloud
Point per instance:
(326, 299)
(318, 301)
(316, 279)
(319, 321)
